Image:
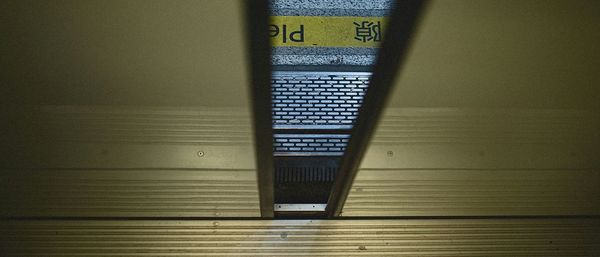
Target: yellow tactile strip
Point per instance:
(327, 31)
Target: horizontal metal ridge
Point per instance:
(454, 125)
(506, 237)
(319, 73)
(424, 192)
(461, 138)
(128, 193)
(100, 137)
(207, 125)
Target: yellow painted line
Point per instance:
(326, 31)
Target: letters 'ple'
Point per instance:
(293, 36)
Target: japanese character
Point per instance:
(367, 31)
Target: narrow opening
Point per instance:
(322, 56)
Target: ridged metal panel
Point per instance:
(133, 108)
(131, 162)
(462, 125)
(132, 137)
(206, 126)
(505, 237)
(128, 193)
(443, 161)
(474, 192)
(227, 126)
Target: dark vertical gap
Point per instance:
(259, 49)
(331, 174)
(403, 21)
(318, 178)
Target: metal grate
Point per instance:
(304, 174)
(310, 144)
(317, 100)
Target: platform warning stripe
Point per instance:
(327, 31)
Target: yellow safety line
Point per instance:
(326, 31)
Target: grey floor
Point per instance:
(327, 55)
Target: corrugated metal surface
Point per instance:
(441, 161)
(131, 162)
(545, 237)
(134, 137)
(200, 125)
(129, 193)
(464, 125)
(474, 192)
(459, 138)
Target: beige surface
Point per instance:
(504, 54)
(125, 109)
(131, 162)
(474, 192)
(494, 113)
(133, 137)
(128, 193)
(506, 237)
(158, 53)
(456, 162)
